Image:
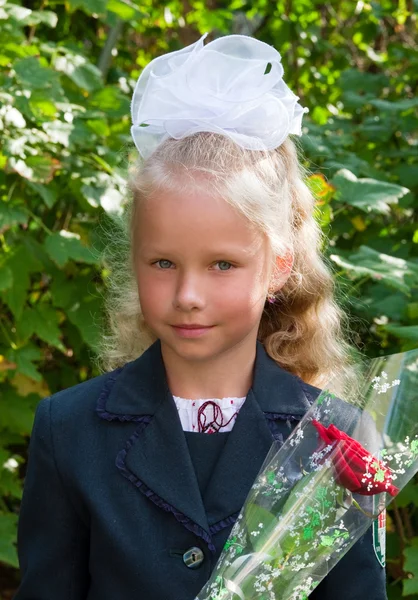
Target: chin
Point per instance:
(199, 350)
(193, 350)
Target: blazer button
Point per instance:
(193, 557)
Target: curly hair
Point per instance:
(305, 330)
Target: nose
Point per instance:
(189, 293)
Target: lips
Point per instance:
(192, 326)
(191, 330)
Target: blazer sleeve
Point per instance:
(357, 576)
(53, 542)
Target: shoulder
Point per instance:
(311, 392)
(76, 403)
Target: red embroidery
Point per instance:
(216, 422)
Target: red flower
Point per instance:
(356, 469)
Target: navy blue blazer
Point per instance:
(111, 502)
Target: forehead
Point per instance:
(194, 219)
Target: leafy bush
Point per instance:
(66, 77)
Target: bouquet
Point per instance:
(318, 493)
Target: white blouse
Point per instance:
(208, 415)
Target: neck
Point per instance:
(228, 374)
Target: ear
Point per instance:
(281, 271)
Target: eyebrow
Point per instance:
(219, 251)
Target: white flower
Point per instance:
(11, 465)
(233, 86)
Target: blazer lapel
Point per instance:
(155, 458)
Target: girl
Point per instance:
(223, 325)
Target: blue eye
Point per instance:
(163, 263)
(224, 262)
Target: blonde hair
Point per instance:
(304, 329)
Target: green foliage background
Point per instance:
(67, 71)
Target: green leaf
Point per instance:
(353, 100)
(48, 193)
(16, 414)
(12, 215)
(8, 535)
(43, 321)
(403, 332)
(412, 311)
(391, 305)
(99, 127)
(81, 135)
(375, 129)
(394, 272)
(36, 168)
(6, 278)
(15, 297)
(46, 17)
(16, 12)
(30, 73)
(410, 585)
(86, 315)
(66, 292)
(23, 357)
(408, 174)
(261, 521)
(89, 6)
(65, 246)
(87, 77)
(352, 79)
(111, 101)
(398, 106)
(24, 263)
(369, 195)
(408, 495)
(41, 105)
(124, 9)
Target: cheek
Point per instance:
(151, 290)
(244, 295)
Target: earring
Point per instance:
(271, 298)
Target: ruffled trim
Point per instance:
(281, 417)
(193, 405)
(101, 403)
(157, 500)
(220, 525)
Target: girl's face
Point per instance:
(199, 262)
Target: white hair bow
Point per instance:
(233, 86)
